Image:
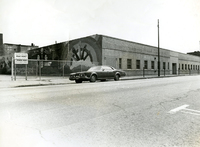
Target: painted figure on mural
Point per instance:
(70, 56)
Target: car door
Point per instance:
(109, 72)
(102, 73)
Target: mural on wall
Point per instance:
(84, 52)
(79, 54)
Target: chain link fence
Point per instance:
(62, 68)
(52, 67)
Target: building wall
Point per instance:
(114, 50)
(75, 55)
(188, 63)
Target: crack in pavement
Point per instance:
(173, 100)
(38, 130)
(119, 107)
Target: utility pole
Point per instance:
(158, 50)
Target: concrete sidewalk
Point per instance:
(7, 82)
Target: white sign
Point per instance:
(21, 58)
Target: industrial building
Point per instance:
(82, 53)
(134, 58)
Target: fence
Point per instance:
(63, 68)
(52, 67)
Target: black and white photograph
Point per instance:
(99, 73)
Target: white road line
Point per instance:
(178, 109)
(190, 112)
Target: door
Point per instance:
(109, 73)
(174, 68)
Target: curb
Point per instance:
(122, 79)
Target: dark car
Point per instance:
(97, 73)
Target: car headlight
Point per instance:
(82, 75)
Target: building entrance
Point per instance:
(174, 71)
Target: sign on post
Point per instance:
(21, 58)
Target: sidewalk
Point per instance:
(7, 82)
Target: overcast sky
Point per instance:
(43, 22)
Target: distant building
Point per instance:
(7, 51)
(195, 53)
(9, 48)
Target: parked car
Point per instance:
(97, 73)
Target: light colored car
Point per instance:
(97, 73)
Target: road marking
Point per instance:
(191, 113)
(192, 110)
(184, 110)
(178, 109)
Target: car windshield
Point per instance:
(95, 68)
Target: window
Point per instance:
(152, 64)
(168, 65)
(106, 68)
(188, 67)
(120, 63)
(185, 66)
(137, 64)
(191, 67)
(129, 64)
(164, 65)
(145, 64)
(182, 66)
(95, 68)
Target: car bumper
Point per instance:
(77, 77)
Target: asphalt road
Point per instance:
(161, 112)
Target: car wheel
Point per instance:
(93, 78)
(116, 77)
(78, 81)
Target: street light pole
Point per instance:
(158, 51)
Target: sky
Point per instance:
(44, 22)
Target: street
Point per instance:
(159, 112)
